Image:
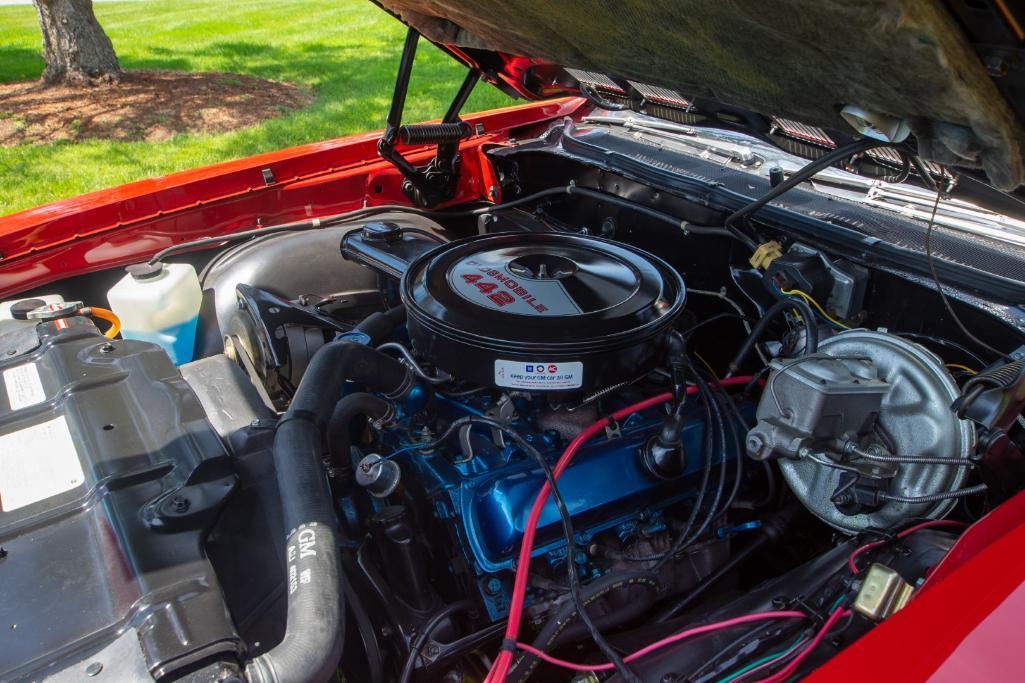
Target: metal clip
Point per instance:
(613, 430)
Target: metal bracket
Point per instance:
(268, 312)
(435, 182)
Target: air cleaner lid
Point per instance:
(520, 292)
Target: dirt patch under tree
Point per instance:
(145, 105)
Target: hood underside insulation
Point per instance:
(802, 59)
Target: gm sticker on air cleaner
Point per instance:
(37, 463)
(515, 374)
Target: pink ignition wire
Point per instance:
(907, 532)
(788, 671)
(676, 637)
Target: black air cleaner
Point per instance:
(541, 312)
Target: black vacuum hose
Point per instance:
(315, 628)
(811, 330)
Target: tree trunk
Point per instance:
(75, 48)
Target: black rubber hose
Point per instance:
(339, 427)
(557, 629)
(380, 326)
(839, 154)
(811, 331)
(337, 362)
(315, 628)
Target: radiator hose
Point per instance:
(315, 627)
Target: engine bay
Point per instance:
(524, 435)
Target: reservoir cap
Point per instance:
(145, 271)
(21, 309)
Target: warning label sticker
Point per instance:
(539, 376)
(36, 463)
(24, 388)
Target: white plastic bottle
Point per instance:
(159, 303)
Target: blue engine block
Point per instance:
(487, 498)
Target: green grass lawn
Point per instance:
(345, 51)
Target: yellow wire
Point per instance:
(807, 297)
(706, 364)
(811, 301)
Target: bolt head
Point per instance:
(996, 66)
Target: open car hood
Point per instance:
(920, 61)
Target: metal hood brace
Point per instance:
(905, 59)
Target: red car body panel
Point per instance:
(966, 622)
(122, 225)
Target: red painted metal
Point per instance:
(124, 224)
(514, 72)
(965, 624)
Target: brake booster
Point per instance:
(863, 430)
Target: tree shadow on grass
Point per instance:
(145, 105)
(20, 64)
